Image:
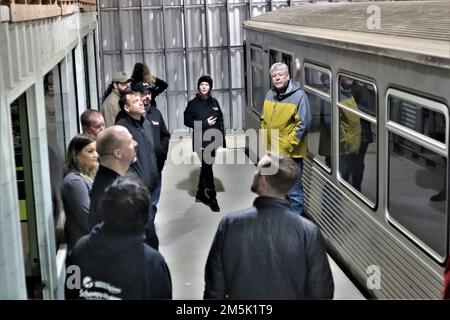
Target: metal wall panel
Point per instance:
(180, 41)
(153, 29)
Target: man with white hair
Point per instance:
(286, 116)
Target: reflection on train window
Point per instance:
(416, 117)
(318, 79)
(319, 135)
(358, 136)
(55, 135)
(362, 92)
(417, 197)
(257, 79)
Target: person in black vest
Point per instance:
(161, 135)
(113, 262)
(131, 116)
(203, 114)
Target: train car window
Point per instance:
(273, 57)
(418, 118)
(287, 60)
(278, 56)
(86, 74)
(55, 134)
(317, 87)
(357, 137)
(362, 92)
(318, 79)
(417, 176)
(257, 78)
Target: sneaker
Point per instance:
(214, 206)
(439, 196)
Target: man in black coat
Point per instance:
(131, 116)
(117, 150)
(161, 135)
(267, 251)
(113, 262)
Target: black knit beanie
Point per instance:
(205, 78)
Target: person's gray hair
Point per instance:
(279, 66)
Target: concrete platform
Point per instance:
(186, 228)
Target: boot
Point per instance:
(201, 197)
(439, 196)
(214, 205)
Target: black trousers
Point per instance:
(150, 232)
(206, 180)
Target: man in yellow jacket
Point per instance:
(286, 117)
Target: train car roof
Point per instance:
(411, 30)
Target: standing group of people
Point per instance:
(113, 183)
(110, 193)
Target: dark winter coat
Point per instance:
(199, 109)
(118, 266)
(159, 87)
(103, 179)
(161, 135)
(142, 132)
(267, 252)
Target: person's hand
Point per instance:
(211, 121)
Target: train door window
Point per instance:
(22, 152)
(317, 87)
(55, 135)
(287, 60)
(257, 78)
(357, 101)
(278, 56)
(86, 73)
(96, 89)
(417, 175)
(273, 57)
(73, 90)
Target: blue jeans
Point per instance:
(295, 196)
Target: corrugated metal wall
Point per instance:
(181, 40)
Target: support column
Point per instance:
(12, 267)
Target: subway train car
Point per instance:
(376, 176)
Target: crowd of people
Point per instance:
(112, 185)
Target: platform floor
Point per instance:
(186, 228)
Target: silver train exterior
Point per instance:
(390, 231)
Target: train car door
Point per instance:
(19, 121)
